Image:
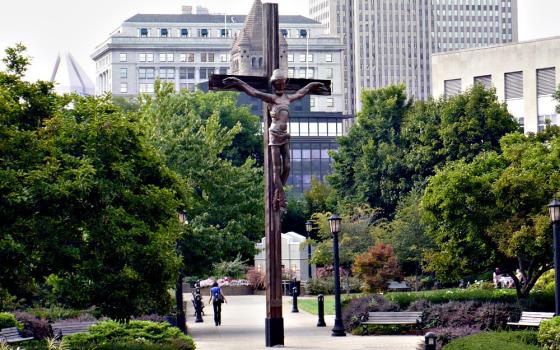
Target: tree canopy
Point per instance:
(396, 144)
(86, 203)
(492, 211)
(226, 216)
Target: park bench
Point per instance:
(532, 319)
(11, 335)
(67, 328)
(388, 318)
(398, 286)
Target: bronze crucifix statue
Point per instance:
(278, 136)
(277, 92)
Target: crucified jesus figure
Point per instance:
(278, 136)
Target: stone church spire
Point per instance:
(247, 50)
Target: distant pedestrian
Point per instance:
(520, 276)
(496, 278)
(217, 298)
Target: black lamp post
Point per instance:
(554, 209)
(181, 318)
(338, 329)
(308, 228)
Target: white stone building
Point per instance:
(294, 256)
(186, 48)
(525, 76)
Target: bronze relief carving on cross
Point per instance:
(278, 137)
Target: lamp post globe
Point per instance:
(338, 329)
(308, 228)
(554, 210)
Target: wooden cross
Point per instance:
(274, 324)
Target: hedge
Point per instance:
(515, 340)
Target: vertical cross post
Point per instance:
(274, 324)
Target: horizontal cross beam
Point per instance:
(261, 83)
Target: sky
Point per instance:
(47, 27)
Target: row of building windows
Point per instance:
(180, 57)
(308, 58)
(206, 33)
(513, 83)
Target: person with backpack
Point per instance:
(218, 298)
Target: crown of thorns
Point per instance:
(278, 74)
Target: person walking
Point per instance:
(217, 298)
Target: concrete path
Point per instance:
(243, 329)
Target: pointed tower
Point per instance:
(247, 50)
(69, 77)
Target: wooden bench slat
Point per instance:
(12, 335)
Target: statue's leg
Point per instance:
(279, 197)
(285, 151)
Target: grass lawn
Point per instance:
(516, 340)
(309, 304)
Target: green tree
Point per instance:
(396, 145)
(84, 198)
(492, 212)
(226, 216)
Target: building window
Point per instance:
(223, 70)
(146, 73)
(484, 80)
(291, 72)
(452, 87)
(310, 73)
(203, 57)
(167, 73)
(124, 88)
(164, 32)
(290, 57)
(190, 57)
(302, 73)
(122, 57)
(124, 72)
(310, 57)
(223, 57)
(210, 57)
(303, 33)
(285, 33)
(190, 72)
(170, 57)
(312, 102)
(329, 74)
(205, 73)
(162, 57)
(182, 57)
(546, 81)
(302, 57)
(203, 33)
(330, 102)
(513, 85)
(184, 33)
(143, 32)
(147, 87)
(142, 57)
(182, 72)
(328, 57)
(225, 33)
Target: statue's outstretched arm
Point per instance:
(315, 86)
(248, 89)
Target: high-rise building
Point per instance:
(393, 39)
(69, 77)
(186, 48)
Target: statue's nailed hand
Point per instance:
(319, 87)
(232, 81)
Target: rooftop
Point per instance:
(203, 18)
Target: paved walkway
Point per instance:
(243, 329)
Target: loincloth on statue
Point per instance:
(278, 137)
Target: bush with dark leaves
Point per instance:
(39, 328)
(447, 334)
(358, 307)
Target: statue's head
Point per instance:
(278, 80)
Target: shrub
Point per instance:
(55, 313)
(110, 332)
(546, 281)
(447, 334)
(235, 268)
(549, 334)
(325, 286)
(8, 320)
(518, 340)
(38, 328)
(377, 267)
(152, 318)
(355, 308)
(443, 296)
(255, 278)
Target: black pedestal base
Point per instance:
(338, 329)
(274, 331)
